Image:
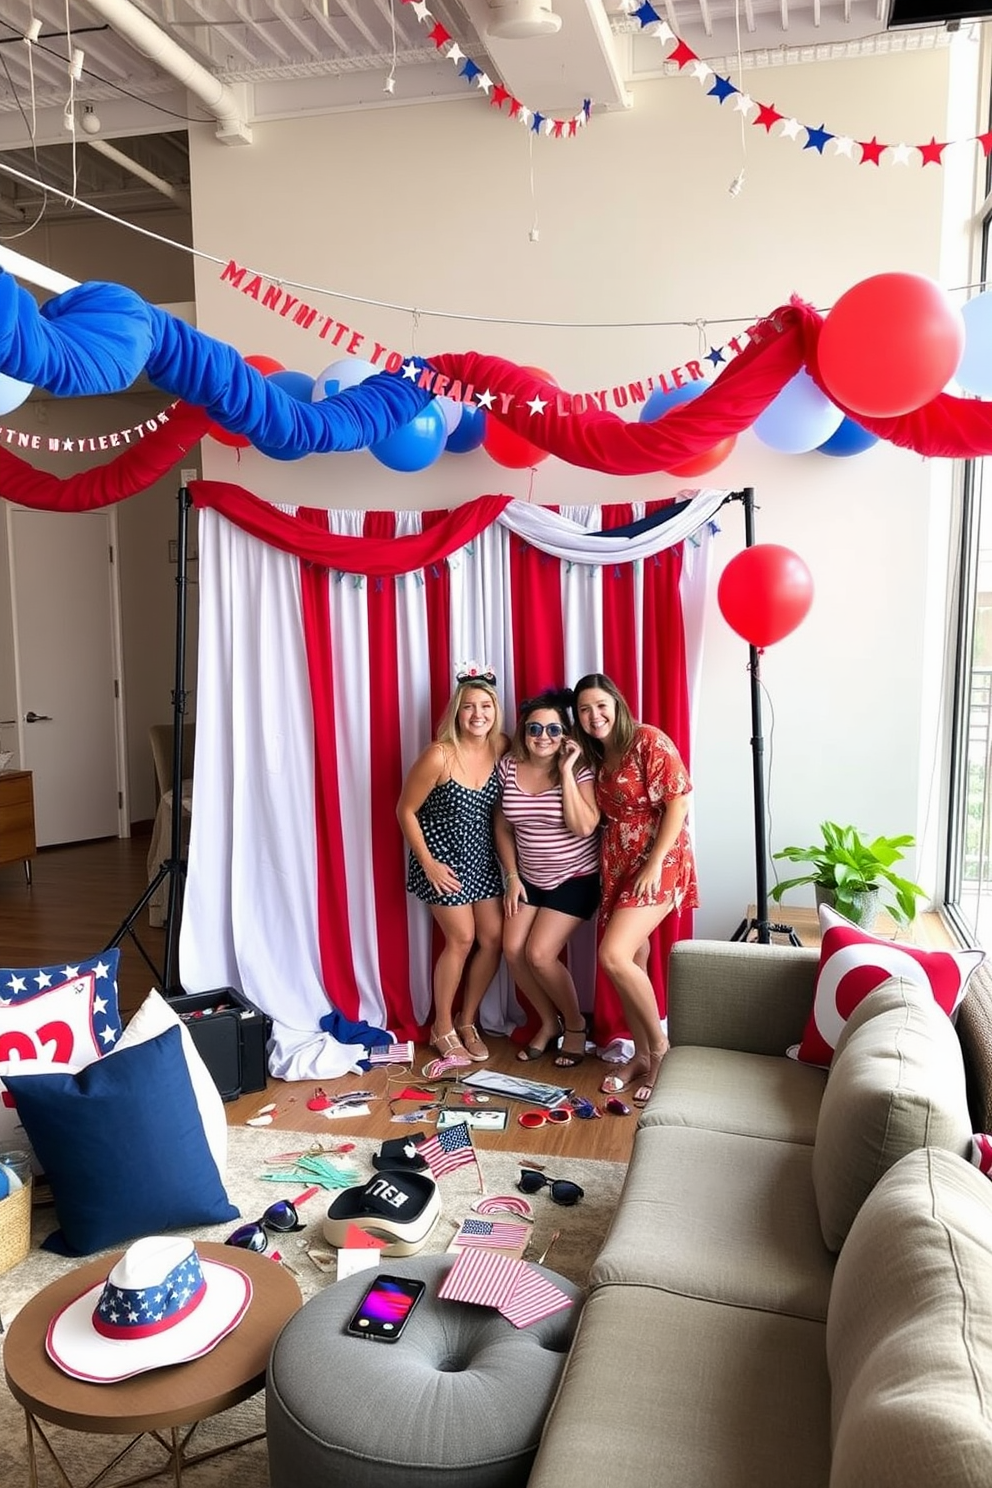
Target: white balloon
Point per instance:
(345, 373)
(13, 393)
(451, 411)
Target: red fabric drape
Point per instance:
(538, 631)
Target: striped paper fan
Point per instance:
(504, 1204)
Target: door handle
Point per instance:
(32, 717)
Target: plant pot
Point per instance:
(867, 905)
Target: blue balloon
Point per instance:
(849, 439)
(346, 372)
(799, 419)
(974, 372)
(661, 401)
(417, 444)
(469, 432)
(297, 384)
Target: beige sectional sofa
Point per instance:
(796, 1290)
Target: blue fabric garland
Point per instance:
(99, 337)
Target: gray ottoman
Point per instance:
(460, 1398)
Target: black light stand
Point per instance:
(173, 868)
(758, 928)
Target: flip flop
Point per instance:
(613, 1085)
(641, 1096)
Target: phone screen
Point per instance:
(383, 1311)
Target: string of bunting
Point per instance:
(476, 77)
(815, 138)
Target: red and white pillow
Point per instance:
(60, 1017)
(981, 1152)
(852, 964)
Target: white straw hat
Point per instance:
(161, 1304)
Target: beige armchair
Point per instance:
(160, 735)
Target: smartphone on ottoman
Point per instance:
(385, 1308)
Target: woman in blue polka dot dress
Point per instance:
(446, 812)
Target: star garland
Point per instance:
(475, 77)
(810, 137)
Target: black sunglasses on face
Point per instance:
(563, 1190)
(553, 730)
(280, 1216)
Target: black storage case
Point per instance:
(230, 1036)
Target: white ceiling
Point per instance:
(268, 59)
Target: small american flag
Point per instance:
(492, 1234)
(513, 1287)
(448, 1149)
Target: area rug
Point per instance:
(567, 1238)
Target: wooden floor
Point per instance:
(82, 895)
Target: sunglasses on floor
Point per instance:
(563, 1190)
(557, 1117)
(280, 1217)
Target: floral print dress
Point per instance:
(632, 799)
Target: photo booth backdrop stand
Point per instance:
(173, 869)
(758, 926)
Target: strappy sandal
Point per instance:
(472, 1043)
(566, 1058)
(449, 1045)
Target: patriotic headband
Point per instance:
(474, 671)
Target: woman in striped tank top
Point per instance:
(547, 838)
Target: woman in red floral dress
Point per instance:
(642, 789)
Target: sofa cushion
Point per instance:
(123, 1146)
(853, 963)
(895, 1084)
(759, 1095)
(909, 1331)
(728, 1218)
(660, 1389)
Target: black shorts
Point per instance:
(578, 897)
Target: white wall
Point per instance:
(430, 207)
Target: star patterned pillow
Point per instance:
(64, 1016)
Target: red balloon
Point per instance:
(890, 344)
(764, 593)
(508, 448)
(263, 364)
(708, 460)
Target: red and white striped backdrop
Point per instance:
(317, 690)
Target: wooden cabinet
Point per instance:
(17, 818)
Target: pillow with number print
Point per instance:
(853, 963)
(62, 1016)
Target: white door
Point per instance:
(66, 650)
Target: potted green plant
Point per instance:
(851, 874)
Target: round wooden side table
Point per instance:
(161, 1400)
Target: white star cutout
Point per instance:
(70, 973)
(99, 1004)
(743, 104)
(537, 405)
(845, 145)
(700, 71)
(901, 154)
(43, 980)
(17, 984)
(420, 10)
(107, 1034)
(411, 371)
(456, 54)
(485, 400)
(525, 116)
(101, 969)
(485, 82)
(664, 32)
(790, 129)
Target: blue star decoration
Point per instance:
(816, 138)
(470, 70)
(714, 355)
(536, 122)
(722, 88)
(646, 14)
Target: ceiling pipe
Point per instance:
(150, 40)
(174, 193)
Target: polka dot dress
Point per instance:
(457, 823)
